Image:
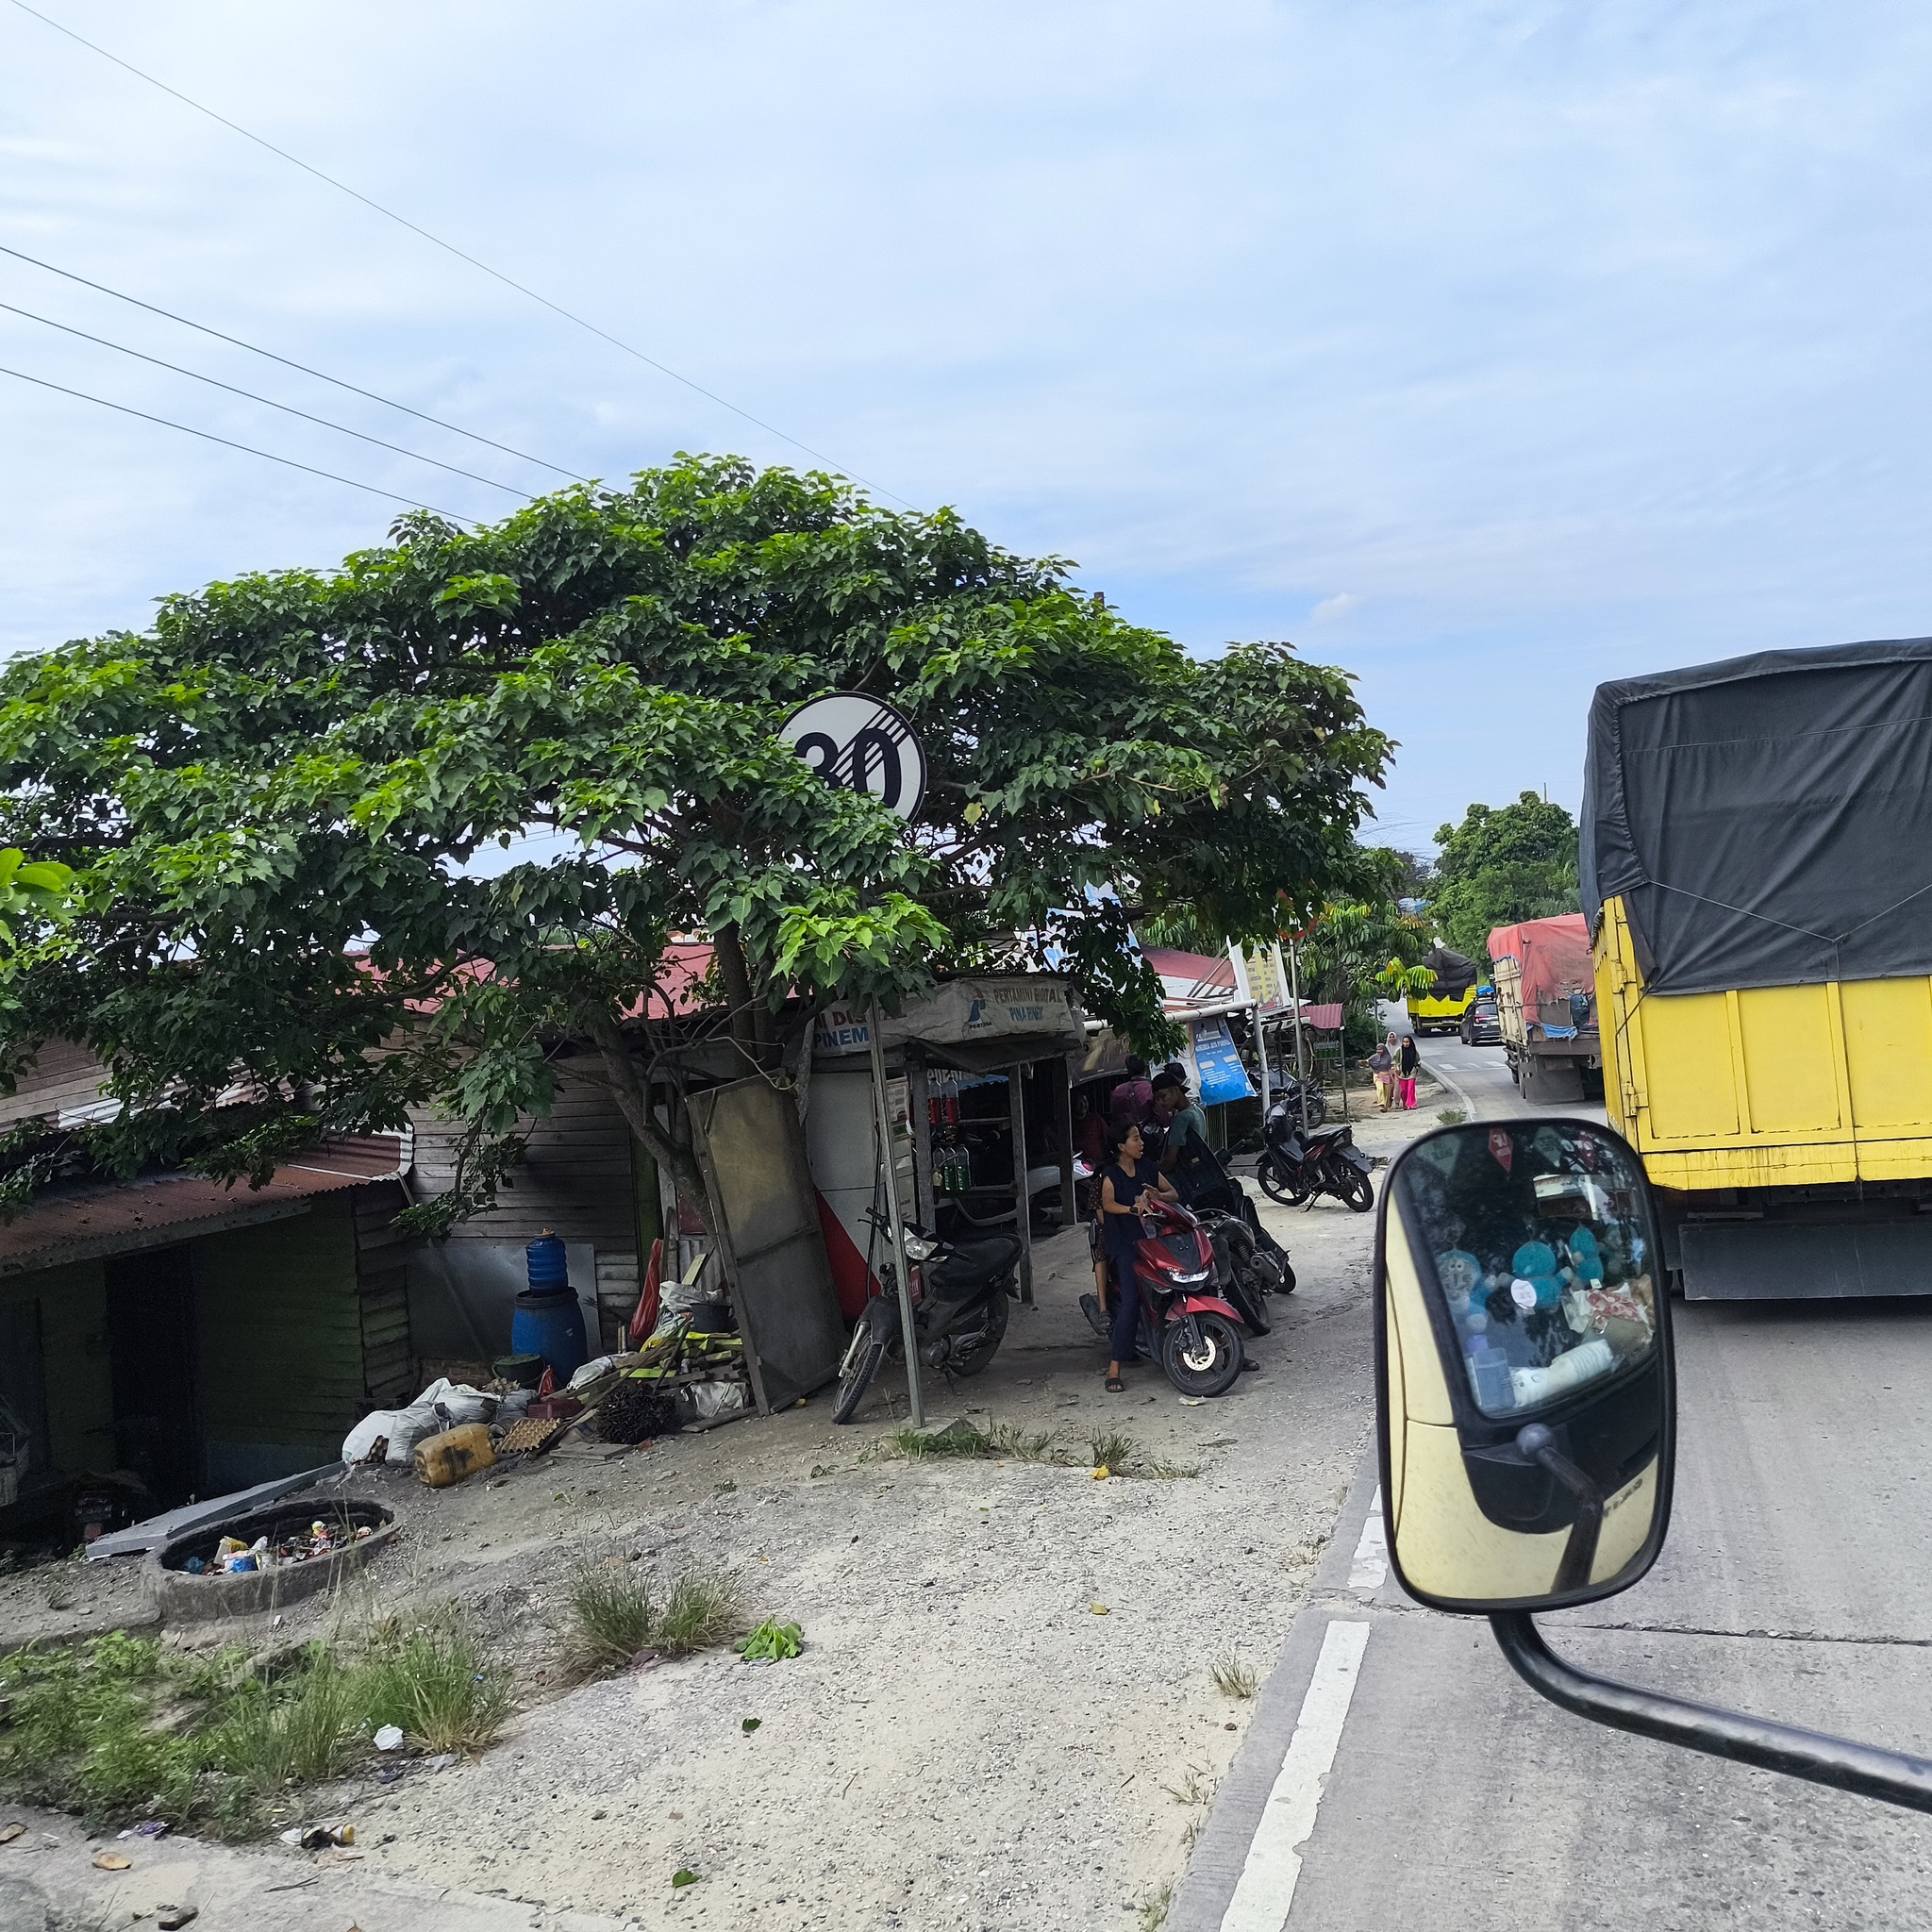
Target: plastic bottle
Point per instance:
(1569, 1371)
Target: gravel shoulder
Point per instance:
(1004, 1713)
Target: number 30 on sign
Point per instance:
(861, 744)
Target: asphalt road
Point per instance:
(1426, 1786)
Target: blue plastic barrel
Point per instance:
(544, 1259)
(550, 1324)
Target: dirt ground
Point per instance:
(1004, 1713)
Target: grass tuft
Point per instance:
(1232, 1678)
(1019, 1444)
(1154, 1907)
(613, 1614)
(1452, 1117)
(1112, 1450)
(701, 1612)
(434, 1683)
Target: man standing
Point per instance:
(1133, 1100)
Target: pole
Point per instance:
(882, 1114)
(1023, 1198)
(1301, 1065)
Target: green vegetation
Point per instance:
(615, 1615)
(771, 1641)
(285, 778)
(1012, 1442)
(1452, 1117)
(118, 1727)
(1500, 865)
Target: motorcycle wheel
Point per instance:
(1278, 1186)
(1356, 1192)
(1210, 1365)
(863, 1354)
(970, 1362)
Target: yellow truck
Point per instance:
(1451, 994)
(1757, 872)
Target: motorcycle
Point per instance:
(1289, 1093)
(1196, 1330)
(959, 1291)
(1246, 1271)
(1295, 1169)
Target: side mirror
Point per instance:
(1527, 1402)
(1524, 1356)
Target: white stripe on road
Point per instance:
(1263, 1897)
(1369, 1570)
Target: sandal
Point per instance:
(1116, 1385)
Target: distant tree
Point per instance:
(275, 802)
(1500, 865)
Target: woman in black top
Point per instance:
(1127, 1179)
(1408, 1063)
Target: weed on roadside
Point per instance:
(1153, 1908)
(1112, 1450)
(1452, 1116)
(434, 1683)
(1193, 1788)
(1160, 1472)
(1017, 1444)
(118, 1727)
(615, 1615)
(612, 1615)
(1232, 1678)
(701, 1611)
(913, 1445)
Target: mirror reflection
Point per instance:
(1542, 1256)
(1524, 1366)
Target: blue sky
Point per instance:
(1485, 350)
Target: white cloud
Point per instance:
(1332, 609)
(1591, 339)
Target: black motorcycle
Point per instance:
(1298, 1169)
(1249, 1271)
(959, 1291)
(1289, 1093)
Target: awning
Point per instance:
(89, 1222)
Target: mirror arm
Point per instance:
(1836, 1761)
(1579, 1554)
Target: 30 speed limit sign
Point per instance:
(862, 744)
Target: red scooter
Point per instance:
(1196, 1332)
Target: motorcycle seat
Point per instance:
(972, 1264)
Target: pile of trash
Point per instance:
(234, 1557)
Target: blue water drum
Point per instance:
(549, 1319)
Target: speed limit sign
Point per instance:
(862, 744)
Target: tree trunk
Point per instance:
(746, 1007)
(633, 1096)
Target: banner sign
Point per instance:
(1219, 1074)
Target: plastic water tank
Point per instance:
(549, 1319)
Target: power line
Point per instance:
(336, 381)
(247, 449)
(448, 247)
(269, 402)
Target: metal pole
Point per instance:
(908, 1329)
(1301, 1063)
(1023, 1222)
(1064, 1095)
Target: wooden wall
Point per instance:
(77, 1379)
(63, 1079)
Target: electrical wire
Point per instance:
(448, 247)
(254, 349)
(247, 449)
(269, 402)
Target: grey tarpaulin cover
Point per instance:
(1767, 819)
(1455, 975)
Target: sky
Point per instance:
(1485, 350)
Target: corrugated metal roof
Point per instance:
(93, 1221)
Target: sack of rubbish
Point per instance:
(718, 1398)
(591, 1371)
(444, 1404)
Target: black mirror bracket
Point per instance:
(1535, 1444)
(1865, 1769)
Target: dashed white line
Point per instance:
(1265, 1894)
(1369, 1570)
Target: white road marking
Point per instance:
(1265, 1894)
(1369, 1570)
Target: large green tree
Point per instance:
(1502, 864)
(278, 802)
